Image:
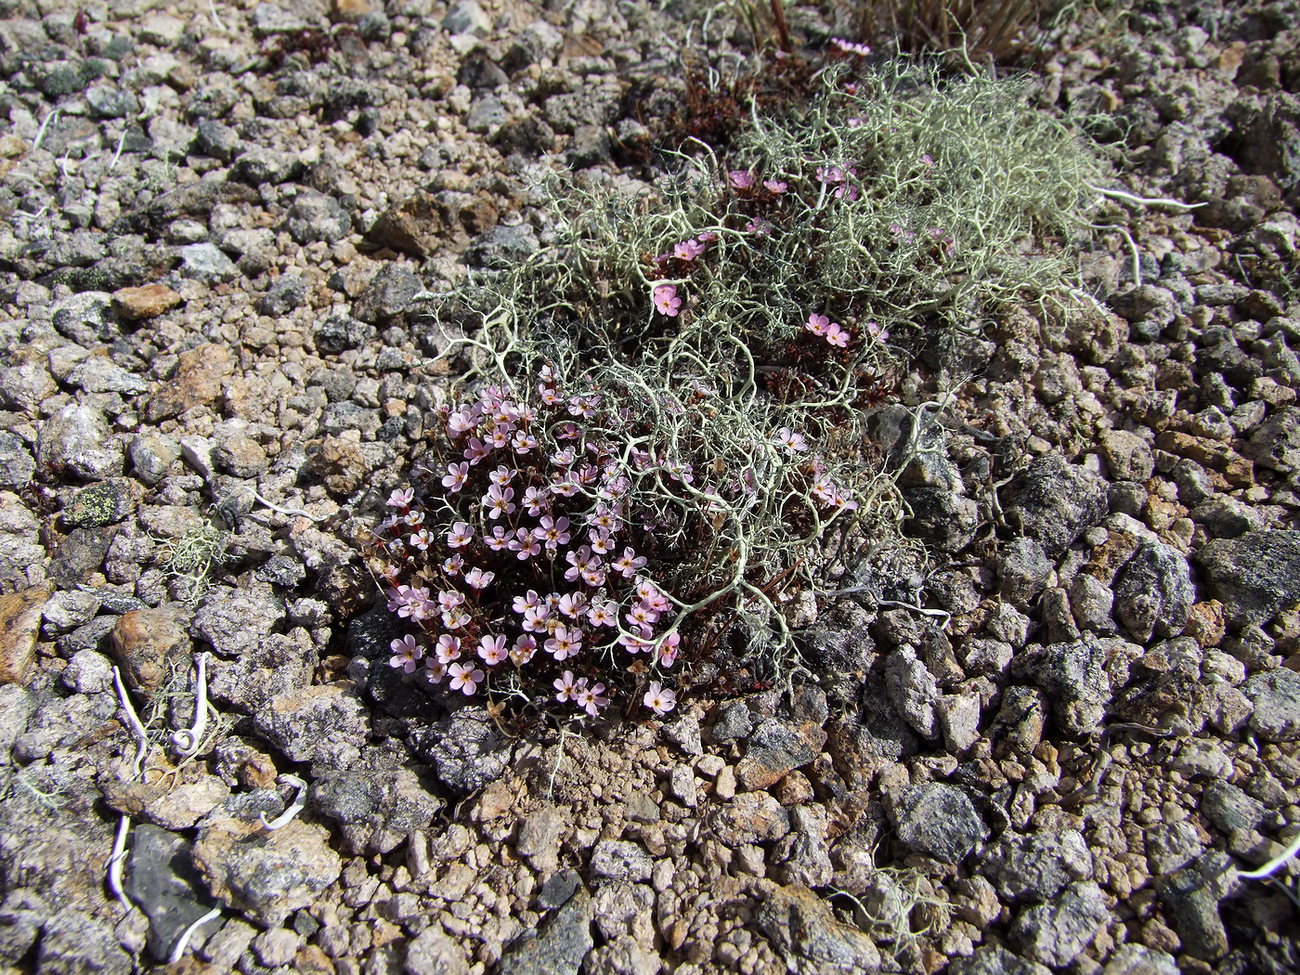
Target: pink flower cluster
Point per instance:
(529, 496)
(832, 332)
(840, 177)
(841, 46)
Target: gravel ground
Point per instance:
(223, 226)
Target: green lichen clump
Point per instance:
(738, 324)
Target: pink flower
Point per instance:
(741, 179)
(465, 678)
(406, 655)
(455, 478)
(524, 649)
(401, 498)
(448, 648)
(876, 332)
(777, 186)
(603, 612)
(566, 687)
(503, 475)
(688, 250)
(668, 650)
(499, 539)
(476, 450)
(793, 443)
(590, 700)
(524, 545)
(523, 442)
(552, 532)
(567, 642)
(666, 300)
(433, 670)
(499, 501)
(461, 534)
(817, 324)
(492, 649)
(529, 600)
(850, 47)
(479, 579)
(628, 563)
(422, 540)
(659, 699)
(837, 336)
(535, 619)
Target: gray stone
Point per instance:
(466, 750)
(503, 246)
(942, 517)
(1036, 867)
(734, 721)
(258, 165)
(287, 293)
(774, 748)
(467, 17)
(67, 609)
(85, 317)
(1091, 602)
(326, 724)
(96, 374)
(315, 216)
(558, 947)
(432, 952)
(340, 332)
(1255, 575)
(804, 856)
(913, 691)
(1136, 959)
(1227, 517)
(267, 875)
(216, 140)
(938, 820)
(88, 672)
(1128, 455)
(1055, 502)
(1229, 808)
(17, 465)
(375, 811)
(1171, 846)
(25, 386)
(1275, 444)
(1072, 676)
(276, 947)
(1190, 898)
(388, 295)
(110, 101)
(206, 262)
(21, 916)
(77, 440)
(1276, 696)
(73, 942)
(994, 959)
(152, 455)
(620, 860)
(802, 930)
(1154, 592)
(161, 878)
(1023, 570)
(1056, 933)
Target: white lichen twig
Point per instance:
(295, 807)
(1148, 201)
(187, 740)
(115, 863)
(284, 511)
(40, 133)
(133, 722)
(1274, 865)
(184, 941)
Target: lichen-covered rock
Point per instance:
(267, 875)
(1055, 502)
(1154, 592)
(1254, 575)
(802, 930)
(937, 820)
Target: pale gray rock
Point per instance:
(1276, 696)
(432, 952)
(325, 724)
(77, 439)
(1154, 592)
(1137, 959)
(375, 811)
(315, 216)
(804, 856)
(913, 691)
(620, 860)
(75, 942)
(1254, 575)
(466, 750)
(17, 466)
(1055, 502)
(1229, 808)
(1023, 570)
(996, 960)
(206, 262)
(1056, 933)
(937, 820)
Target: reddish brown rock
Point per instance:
(147, 301)
(149, 644)
(20, 619)
(200, 378)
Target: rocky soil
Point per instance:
(1048, 739)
